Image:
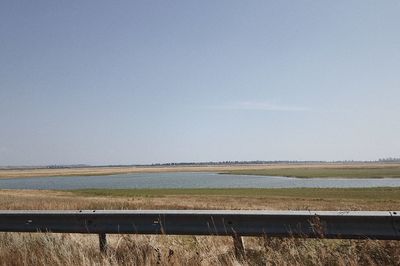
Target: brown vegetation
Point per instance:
(53, 200)
(75, 249)
(15, 173)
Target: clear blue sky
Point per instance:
(120, 82)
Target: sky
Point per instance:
(137, 82)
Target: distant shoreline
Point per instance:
(300, 170)
(365, 171)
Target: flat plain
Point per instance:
(309, 170)
(344, 171)
(76, 249)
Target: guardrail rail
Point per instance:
(383, 225)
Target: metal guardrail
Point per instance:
(384, 225)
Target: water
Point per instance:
(188, 180)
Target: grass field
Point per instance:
(75, 249)
(371, 170)
(370, 194)
(390, 171)
(273, 199)
(95, 171)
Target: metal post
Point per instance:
(103, 242)
(239, 247)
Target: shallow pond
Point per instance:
(188, 180)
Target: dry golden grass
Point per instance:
(15, 173)
(53, 200)
(76, 249)
(69, 249)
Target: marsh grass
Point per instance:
(241, 199)
(346, 170)
(389, 171)
(78, 249)
(380, 193)
(68, 249)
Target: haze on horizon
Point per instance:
(137, 82)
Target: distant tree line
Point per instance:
(389, 160)
(55, 166)
(235, 162)
(60, 166)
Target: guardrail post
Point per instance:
(239, 247)
(103, 242)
